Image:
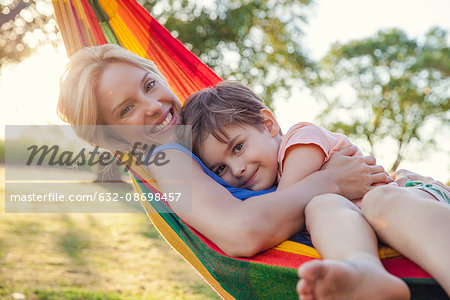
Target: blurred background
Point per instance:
(375, 71)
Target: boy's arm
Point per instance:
(300, 161)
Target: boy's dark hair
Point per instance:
(210, 110)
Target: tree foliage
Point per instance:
(400, 84)
(24, 25)
(257, 42)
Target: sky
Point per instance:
(30, 90)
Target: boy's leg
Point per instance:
(351, 268)
(415, 224)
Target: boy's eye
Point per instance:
(126, 110)
(219, 171)
(238, 147)
(149, 85)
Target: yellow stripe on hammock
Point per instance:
(177, 243)
(297, 248)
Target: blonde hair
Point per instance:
(77, 104)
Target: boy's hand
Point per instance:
(403, 176)
(354, 175)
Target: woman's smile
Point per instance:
(169, 118)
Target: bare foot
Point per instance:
(357, 278)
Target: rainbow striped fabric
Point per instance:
(271, 274)
(268, 275)
(126, 23)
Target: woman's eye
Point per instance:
(126, 110)
(238, 147)
(149, 85)
(219, 171)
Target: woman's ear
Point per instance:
(270, 123)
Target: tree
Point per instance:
(257, 42)
(400, 84)
(24, 25)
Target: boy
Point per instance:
(225, 118)
(239, 139)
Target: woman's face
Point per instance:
(129, 95)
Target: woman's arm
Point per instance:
(244, 228)
(360, 176)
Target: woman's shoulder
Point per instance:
(173, 150)
(183, 164)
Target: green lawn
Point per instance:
(91, 256)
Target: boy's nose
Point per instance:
(239, 169)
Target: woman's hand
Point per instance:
(354, 175)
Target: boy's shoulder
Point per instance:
(309, 133)
(305, 127)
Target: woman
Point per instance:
(107, 85)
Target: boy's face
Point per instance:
(249, 158)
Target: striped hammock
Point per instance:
(268, 275)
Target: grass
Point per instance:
(91, 256)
